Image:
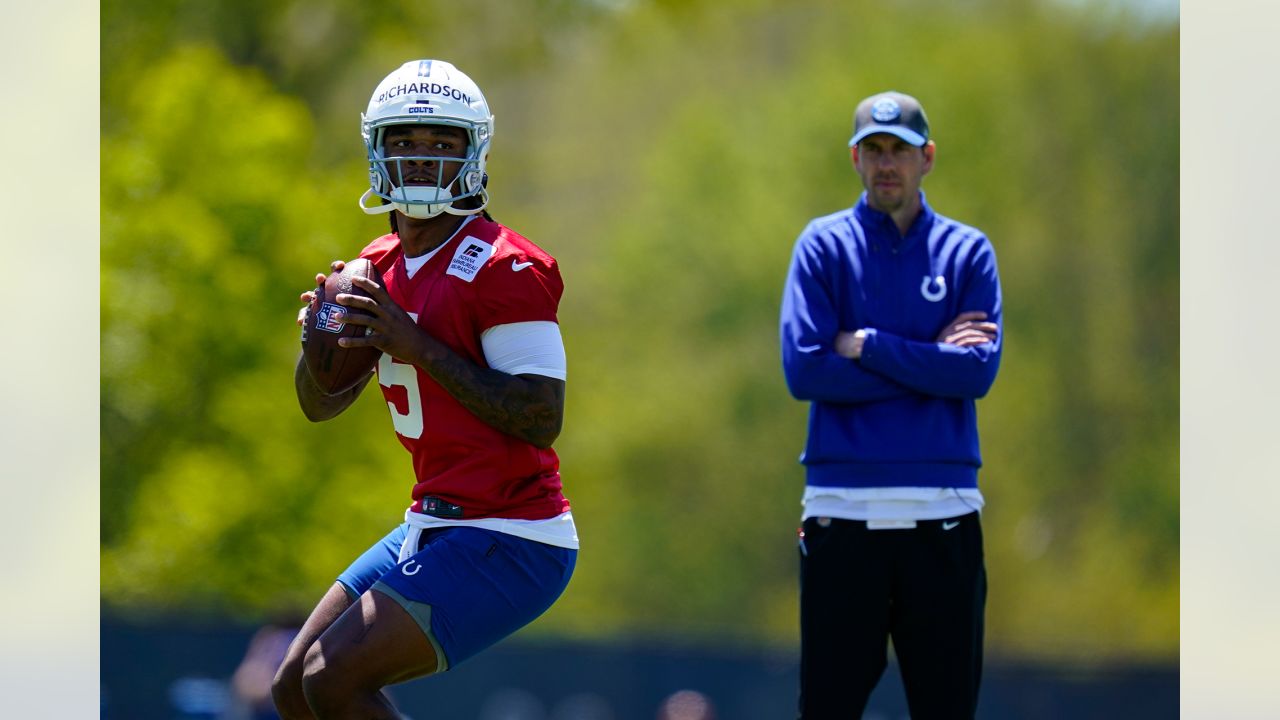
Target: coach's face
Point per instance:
(891, 170)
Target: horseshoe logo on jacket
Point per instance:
(933, 295)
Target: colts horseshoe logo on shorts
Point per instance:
(405, 568)
(929, 293)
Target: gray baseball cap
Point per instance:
(894, 113)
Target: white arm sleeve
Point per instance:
(521, 348)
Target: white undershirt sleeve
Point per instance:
(533, 348)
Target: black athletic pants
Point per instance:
(924, 587)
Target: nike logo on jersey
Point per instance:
(518, 266)
(950, 525)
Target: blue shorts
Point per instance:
(467, 587)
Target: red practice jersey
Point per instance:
(485, 275)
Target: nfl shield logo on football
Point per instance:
(330, 317)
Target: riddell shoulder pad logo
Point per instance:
(330, 318)
(470, 256)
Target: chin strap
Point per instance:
(376, 209)
(388, 207)
(484, 202)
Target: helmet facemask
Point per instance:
(449, 179)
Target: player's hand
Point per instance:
(309, 296)
(969, 329)
(849, 343)
(392, 330)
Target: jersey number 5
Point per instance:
(392, 372)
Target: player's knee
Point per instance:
(323, 687)
(286, 691)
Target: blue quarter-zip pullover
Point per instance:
(854, 270)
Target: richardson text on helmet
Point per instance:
(430, 88)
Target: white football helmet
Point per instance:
(426, 92)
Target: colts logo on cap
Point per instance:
(885, 110)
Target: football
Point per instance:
(337, 369)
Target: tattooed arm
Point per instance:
(530, 407)
(316, 405)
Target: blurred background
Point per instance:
(667, 154)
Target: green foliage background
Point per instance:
(667, 153)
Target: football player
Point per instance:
(473, 374)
